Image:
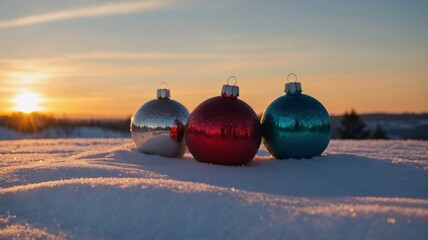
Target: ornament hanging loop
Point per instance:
(290, 75)
(163, 91)
(293, 88)
(232, 77)
(163, 85)
(230, 91)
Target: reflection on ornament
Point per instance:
(295, 125)
(157, 127)
(223, 130)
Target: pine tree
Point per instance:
(353, 127)
(379, 133)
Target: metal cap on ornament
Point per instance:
(293, 87)
(163, 93)
(230, 91)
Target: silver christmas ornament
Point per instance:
(157, 127)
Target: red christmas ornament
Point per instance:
(223, 130)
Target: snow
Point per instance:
(104, 189)
(60, 132)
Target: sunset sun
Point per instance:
(27, 102)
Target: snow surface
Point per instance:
(59, 132)
(104, 189)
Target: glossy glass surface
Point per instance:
(296, 126)
(158, 127)
(223, 130)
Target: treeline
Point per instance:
(348, 126)
(353, 127)
(36, 122)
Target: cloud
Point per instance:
(85, 12)
(147, 56)
(109, 64)
(165, 56)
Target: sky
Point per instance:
(107, 58)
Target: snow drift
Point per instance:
(103, 188)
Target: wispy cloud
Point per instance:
(85, 12)
(148, 56)
(166, 56)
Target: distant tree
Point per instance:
(379, 133)
(353, 127)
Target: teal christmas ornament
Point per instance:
(295, 125)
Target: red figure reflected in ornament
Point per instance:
(223, 130)
(176, 131)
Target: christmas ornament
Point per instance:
(157, 127)
(295, 125)
(223, 130)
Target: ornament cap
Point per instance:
(163, 92)
(293, 87)
(230, 91)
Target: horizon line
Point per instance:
(126, 116)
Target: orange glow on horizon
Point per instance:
(27, 102)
